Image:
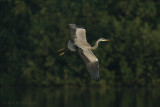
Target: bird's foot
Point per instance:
(62, 54)
(60, 50)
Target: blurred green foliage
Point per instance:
(31, 32)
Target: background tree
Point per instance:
(31, 32)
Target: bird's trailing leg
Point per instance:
(62, 54)
(63, 49)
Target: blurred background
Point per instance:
(31, 32)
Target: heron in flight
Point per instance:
(79, 43)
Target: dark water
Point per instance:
(78, 97)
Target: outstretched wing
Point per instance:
(79, 36)
(91, 62)
(73, 30)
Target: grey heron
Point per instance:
(79, 43)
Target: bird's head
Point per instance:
(102, 39)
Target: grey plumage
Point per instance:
(71, 45)
(79, 43)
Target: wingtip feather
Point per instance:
(72, 25)
(97, 77)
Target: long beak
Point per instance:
(107, 40)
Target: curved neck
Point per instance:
(96, 45)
